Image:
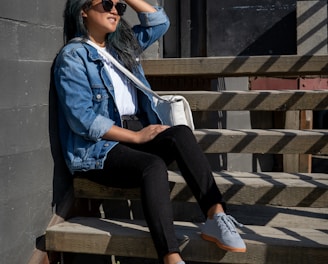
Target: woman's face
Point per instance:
(100, 22)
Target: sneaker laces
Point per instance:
(229, 222)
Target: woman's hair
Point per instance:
(122, 41)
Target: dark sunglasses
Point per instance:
(108, 6)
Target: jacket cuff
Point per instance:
(99, 127)
(153, 19)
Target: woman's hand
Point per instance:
(148, 133)
(140, 6)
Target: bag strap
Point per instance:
(124, 70)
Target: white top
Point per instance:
(125, 92)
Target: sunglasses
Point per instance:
(108, 6)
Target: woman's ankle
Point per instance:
(215, 209)
(172, 258)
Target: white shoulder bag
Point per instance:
(172, 109)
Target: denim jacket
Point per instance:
(87, 108)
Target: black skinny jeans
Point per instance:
(145, 166)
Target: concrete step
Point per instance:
(285, 189)
(265, 244)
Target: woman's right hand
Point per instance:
(149, 133)
(146, 134)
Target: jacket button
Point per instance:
(98, 96)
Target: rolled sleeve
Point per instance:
(99, 127)
(153, 19)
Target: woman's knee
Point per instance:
(156, 164)
(182, 134)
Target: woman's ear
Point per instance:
(84, 14)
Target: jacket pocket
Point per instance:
(100, 99)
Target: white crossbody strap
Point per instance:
(129, 74)
(171, 109)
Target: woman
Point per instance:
(96, 99)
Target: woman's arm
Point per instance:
(75, 94)
(140, 6)
(153, 24)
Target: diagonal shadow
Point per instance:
(284, 141)
(321, 143)
(262, 96)
(263, 214)
(321, 25)
(311, 12)
(251, 136)
(236, 186)
(296, 239)
(277, 187)
(323, 103)
(315, 194)
(222, 101)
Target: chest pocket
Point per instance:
(100, 98)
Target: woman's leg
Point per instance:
(179, 143)
(126, 167)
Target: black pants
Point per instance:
(145, 166)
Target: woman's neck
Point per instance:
(99, 42)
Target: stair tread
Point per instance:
(287, 189)
(131, 238)
(292, 217)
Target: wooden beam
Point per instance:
(291, 161)
(287, 65)
(127, 238)
(259, 100)
(275, 141)
(283, 189)
(306, 122)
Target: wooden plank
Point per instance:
(278, 141)
(269, 100)
(306, 122)
(126, 238)
(262, 190)
(291, 162)
(295, 217)
(238, 188)
(287, 65)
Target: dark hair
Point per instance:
(122, 41)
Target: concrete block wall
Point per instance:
(31, 34)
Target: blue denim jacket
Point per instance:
(85, 91)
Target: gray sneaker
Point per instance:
(222, 231)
